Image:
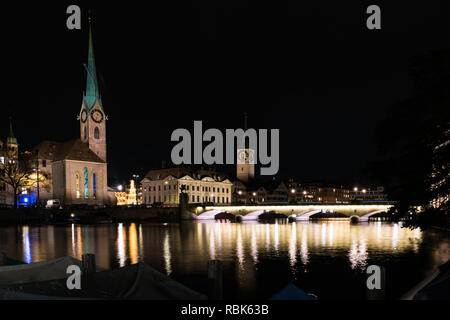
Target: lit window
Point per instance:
(94, 185)
(86, 183)
(77, 183)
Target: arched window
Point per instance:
(94, 185)
(85, 133)
(96, 133)
(77, 182)
(86, 183)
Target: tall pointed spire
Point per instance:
(92, 92)
(11, 139)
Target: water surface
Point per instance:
(328, 259)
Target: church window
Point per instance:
(86, 183)
(77, 183)
(96, 133)
(94, 185)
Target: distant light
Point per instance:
(72, 215)
(355, 189)
(239, 192)
(292, 190)
(254, 193)
(304, 192)
(25, 200)
(119, 187)
(363, 190)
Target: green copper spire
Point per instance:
(11, 139)
(92, 93)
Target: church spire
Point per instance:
(92, 92)
(11, 139)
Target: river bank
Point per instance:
(87, 215)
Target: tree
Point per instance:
(414, 142)
(18, 172)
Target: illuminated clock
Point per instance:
(97, 116)
(83, 115)
(246, 156)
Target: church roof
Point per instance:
(70, 150)
(92, 93)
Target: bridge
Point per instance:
(303, 212)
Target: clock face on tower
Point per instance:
(246, 156)
(83, 116)
(97, 116)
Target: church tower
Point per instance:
(11, 142)
(92, 116)
(245, 168)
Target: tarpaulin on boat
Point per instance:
(138, 281)
(439, 287)
(38, 271)
(292, 292)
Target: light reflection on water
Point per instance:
(246, 248)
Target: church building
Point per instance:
(78, 168)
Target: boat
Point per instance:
(48, 281)
(292, 292)
(434, 287)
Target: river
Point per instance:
(326, 258)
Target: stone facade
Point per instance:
(202, 186)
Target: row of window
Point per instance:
(193, 188)
(194, 199)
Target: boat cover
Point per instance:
(38, 271)
(135, 282)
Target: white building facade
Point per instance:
(166, 188)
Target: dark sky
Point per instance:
(310, 68)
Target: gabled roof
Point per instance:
(70, 150)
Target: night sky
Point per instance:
(310, 68)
